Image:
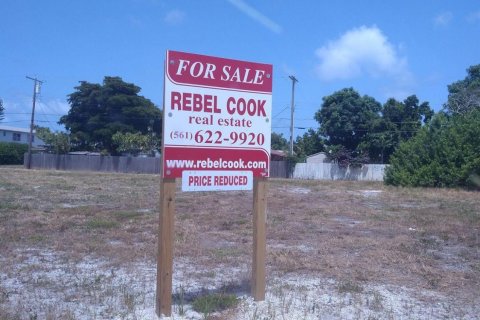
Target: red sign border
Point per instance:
(269, 67)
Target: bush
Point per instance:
(446, 153)
(214, 302)
(12, 153)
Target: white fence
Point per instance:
(49, 161)
(331, 171)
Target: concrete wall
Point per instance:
(331, 171)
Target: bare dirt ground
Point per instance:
(82, 245)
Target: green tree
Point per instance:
(309, 143)
(136, 143)
(346, 118)
(464, 95)
(2, 110)
(98, 111)
(408, 116)
(278, 142)
(345, 157)
(400, 121)
(445, 153)
(55, 142)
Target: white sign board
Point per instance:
(217, 119)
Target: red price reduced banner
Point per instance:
(217, 116)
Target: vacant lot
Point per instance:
(82, 246)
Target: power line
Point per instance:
(279, 112)
(42, 113)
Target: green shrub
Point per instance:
(12, 153)
(214, 302)
(446, 153)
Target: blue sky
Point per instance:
(381, 48)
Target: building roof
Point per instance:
(15, 129)
(279, 153)
(316, 154)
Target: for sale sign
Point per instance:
(217, 117)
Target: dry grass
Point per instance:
(357, 234)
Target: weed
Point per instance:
(9, 206)
(214, 302)
(127, 215)
(8, 186)
(476, 267)
(429, 242)
(97, 223)
(433, 280)
(376, 303)
(128, 297)
(275, 220)
(349, 286)
(470, 215)
(36, 238)
(209, 274)
(222, 253)
(3, 297)
(241, 222)
(179, 300)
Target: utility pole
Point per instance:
(292, 108)
(36, 90)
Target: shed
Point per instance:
(320, 157)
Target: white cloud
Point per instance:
(256, 15)
(174, 17)
(360, 51)
(474, 17)
(443, 19)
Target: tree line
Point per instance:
(355, 129)
(446, 151)
(423, 148)
(109, 118)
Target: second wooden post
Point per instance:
(165, 247)
(258, 282)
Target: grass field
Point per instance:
(82, 245)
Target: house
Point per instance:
(320, 157)
(278, 155)
(19, 135)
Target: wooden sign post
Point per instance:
(216, 137)
(259, 238)
(166, 239)
(166, 228)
